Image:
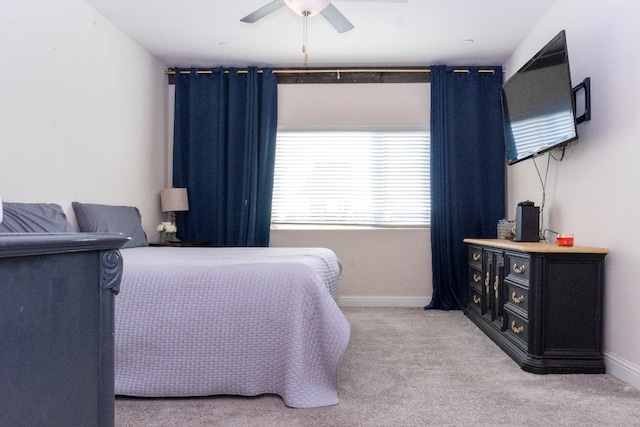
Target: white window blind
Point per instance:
(376, 178)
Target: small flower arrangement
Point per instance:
(167, 227)
(167, 231)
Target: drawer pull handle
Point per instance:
(516, 299)
(518, 270)
(486, 283)
(476, 299)
(476, 278)
(516, 329)
(476, 256)
(495, 287)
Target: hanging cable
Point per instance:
(543, 182)
(305, 15)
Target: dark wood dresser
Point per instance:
(541, 303)
(56, 328)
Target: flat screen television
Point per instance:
(538, 104)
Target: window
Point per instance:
(374, 178)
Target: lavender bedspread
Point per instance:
(240, 321)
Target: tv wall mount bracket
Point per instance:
(586, 86)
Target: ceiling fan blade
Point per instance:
(337, 19)
(263, 11)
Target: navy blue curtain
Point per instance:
(224, 153)
(467, 174)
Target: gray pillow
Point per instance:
(34, 218)
(114, 219)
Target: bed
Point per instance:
(240, 321)
(215, 321)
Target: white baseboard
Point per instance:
(378, 301)
(622, 369)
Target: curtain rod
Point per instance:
(318, 70)
(322, 75)
(172, 72)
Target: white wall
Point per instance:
(593, 193)
(381, 266)
(82, 110)
(354, 105)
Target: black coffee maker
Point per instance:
(527, 222)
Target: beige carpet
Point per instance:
(410, 367)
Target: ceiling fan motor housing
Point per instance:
(307, 7)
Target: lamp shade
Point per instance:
(174, 200)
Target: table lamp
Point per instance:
(174, 200)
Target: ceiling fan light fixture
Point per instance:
(310, 7)
(304, 8)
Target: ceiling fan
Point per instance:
(304, 8)
(307, 8)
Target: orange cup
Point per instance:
(565, 240)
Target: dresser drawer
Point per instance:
(475, 300)
(517, 329)
(517, 267)
(517, 298)
(475, 278)
(475, 256)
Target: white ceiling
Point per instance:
(205, 33)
